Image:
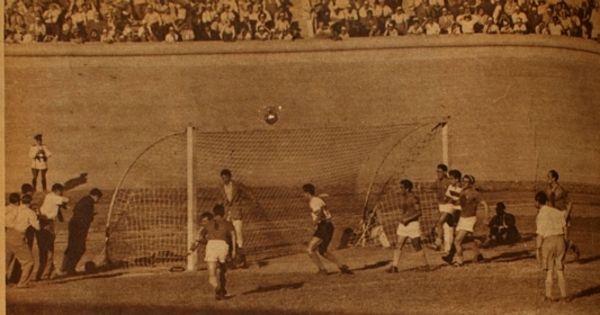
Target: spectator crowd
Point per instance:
(112, 21)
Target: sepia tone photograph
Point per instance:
(348, 157)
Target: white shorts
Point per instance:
(466, 224)
(216, 250)
(412, 230)
(446, 208)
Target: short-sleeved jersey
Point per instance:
(550, 221)
(217, 229)
(318, 208)
(441, 185)
(409, 204)
(558, 197)
(469, 200)
(453, 193)
(51, 204)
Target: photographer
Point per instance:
(39, 155)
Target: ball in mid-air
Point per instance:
(271, 116)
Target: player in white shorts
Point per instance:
(220, 234)
(451, 219)
(409, 226)
(469, 201)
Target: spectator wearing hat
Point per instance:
(344, 34)
(446, 20)
(401, 20)
(263, 34)
(39, 154)
(390, 28)
(503, 227)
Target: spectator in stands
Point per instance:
(547, 16)
(153, 23)
(344, 33)
(172, 36)
(432, 27)
(446, 21)
(503, 228)
(490, 27)
(423, 11)
(96, 26)
(244, 33)
(467, 23)
(351, 21)
(415, 28)
(542, 29)
(228, 15)
(575, 24)
(519, 27)
(227, 31)
(282, 25)
(139, 9)
(455, 29)
(481, 17)
(401, 20)
(106, 37)
(533, 18)
(390, 28)
(517, 14)
(505, 28)
(556, 28)
(510, 7)
(369, 25)
(38, 30)
(498, 10)
(263, 34)
(595, 21)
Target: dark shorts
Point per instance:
(452, 220)
(325, 233)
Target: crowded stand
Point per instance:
(111, 21)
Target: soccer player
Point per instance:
(49, 212)
(217, 231)
(445, 207)
(550, 244)
(558, 197)
(79, 225)
(409, 225)
(39, 155)
(451, 219)
(469, 201)
(18, 219)
(232, 197)
(323, 233)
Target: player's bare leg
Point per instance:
(460, 237)
(341, 266)
(313, 246)
(439, 230)
(222, 270)
(213, 280)
(397, 254)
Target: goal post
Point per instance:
(156, 204)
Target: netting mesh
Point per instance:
(148, 221)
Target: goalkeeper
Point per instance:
(217, 231)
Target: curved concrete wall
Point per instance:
(519, 106)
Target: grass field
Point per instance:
(511, 282)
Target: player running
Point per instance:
(409, 226)
(219, 233)
(324, 232)
(445, 207)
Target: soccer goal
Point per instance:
(154, 209)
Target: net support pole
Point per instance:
(445, 158)
(192, 260)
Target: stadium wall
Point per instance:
(518, 105)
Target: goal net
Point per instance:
(356, 167)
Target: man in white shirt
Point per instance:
(39, 155)
(49, 212)
(551, 245)
(18, 220)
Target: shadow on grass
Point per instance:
(512, 256)
(81, 277)
(588, 259)
(275, 287)
(587, 292)
(220, 307)
(376, 265)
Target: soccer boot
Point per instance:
(392, 269)
(344, 269)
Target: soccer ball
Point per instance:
(271, 116)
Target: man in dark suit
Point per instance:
(503, 229)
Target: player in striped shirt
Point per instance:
(445, 207)
(323, 233)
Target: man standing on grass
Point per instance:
(39, 155)
(558, 197)
(18, 220)
(49, 212)
(217, 231)
(79, 225)
(409, 226)
(469, 202)
(550, 245)
(444, 205)
(232, 196)
(324, 232)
